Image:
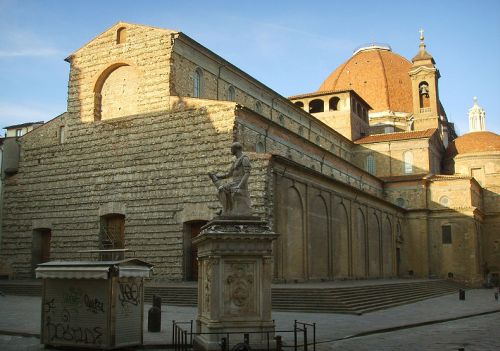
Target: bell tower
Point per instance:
(424, 79)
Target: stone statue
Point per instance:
(234, 195)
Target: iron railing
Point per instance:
(183, 337)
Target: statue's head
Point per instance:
(235, 147)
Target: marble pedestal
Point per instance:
(234, 282)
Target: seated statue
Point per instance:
(234, 195)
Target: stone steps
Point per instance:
(357, 299)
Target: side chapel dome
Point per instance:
(483, 141)
(378, 75)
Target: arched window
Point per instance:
(316, 106)
(258, 107)
(198, 81)
(318, 140)
(299, 104)
(423, 92)
(259, 147)
(370, 164)
(121, 35)
(408, 162)
(334, 103)
(231, 94)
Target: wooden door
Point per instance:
(45, 236)
(195, 230)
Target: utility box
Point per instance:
(98, 305)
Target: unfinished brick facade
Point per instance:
(151, 112)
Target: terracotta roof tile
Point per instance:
(483, 141)
(404, 178)
(378, 138)
(378, 76)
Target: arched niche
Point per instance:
(116, 92)
(340, 255)
(318, 238)
(387, 249)
(358, 245)
(293, 224)
(374, 245)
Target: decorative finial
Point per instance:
(421, 35)
(476, 117)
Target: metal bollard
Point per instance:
(279, 343)
(223, 344)
(154, 320)
(461, 294)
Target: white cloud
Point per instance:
(23, 43)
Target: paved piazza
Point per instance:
(443, 323)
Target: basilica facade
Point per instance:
(364, 178)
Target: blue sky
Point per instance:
(291, 46)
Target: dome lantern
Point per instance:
(476, 118)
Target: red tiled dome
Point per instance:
(474, 142)
(379, 76)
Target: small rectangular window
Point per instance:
(62, 135)
(19, 132)
(446, 234)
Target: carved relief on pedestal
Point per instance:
(239, 294)
(208, 266)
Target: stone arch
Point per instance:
(387, 249)
(293, 228)
(116, 92)
(198, 83)
(399, 244)
(408, 162)
(333, 103)
(318, 242)
(121, 35)
(340, 255)
(423, 92)
(359, 245)
(374, 245)
(231, 93)
(316, 105)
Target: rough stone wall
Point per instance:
(485, 167)
(219, 75)
(146, 50)
(389, 156)
(321, 236)
(462, 257)
(149, 167)
(257, 132)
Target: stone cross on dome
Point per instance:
(422, 44)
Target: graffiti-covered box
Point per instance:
(93, 304)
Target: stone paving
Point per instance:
(20, 324)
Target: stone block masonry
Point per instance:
(146, 166)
